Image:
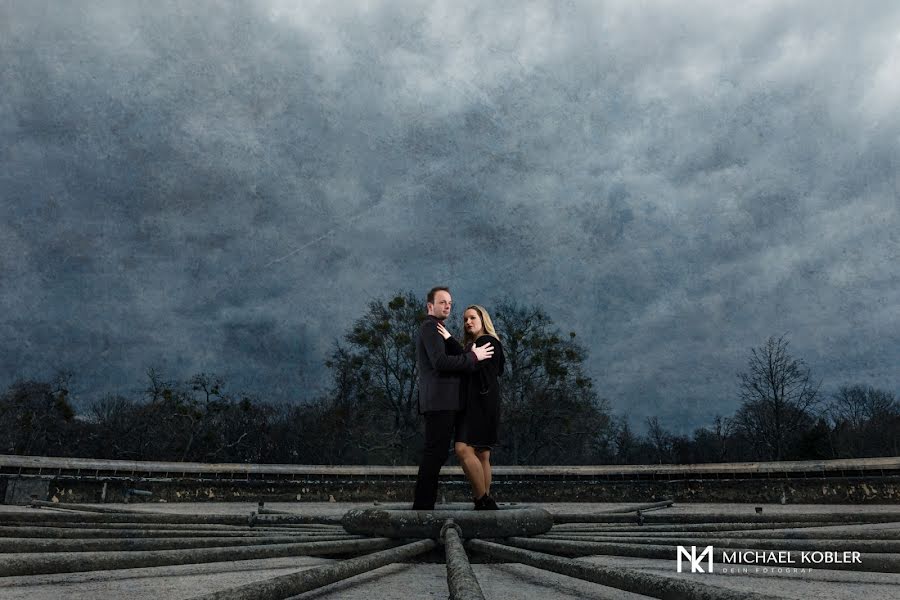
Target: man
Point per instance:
(438, 393)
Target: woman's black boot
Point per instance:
(486, 503)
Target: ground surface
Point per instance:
(428, 579)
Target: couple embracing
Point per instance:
(459, 395)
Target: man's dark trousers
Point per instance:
(438, 435)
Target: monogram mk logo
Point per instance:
(696, 561)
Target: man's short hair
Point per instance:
(434, 290)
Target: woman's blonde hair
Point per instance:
(486, 324)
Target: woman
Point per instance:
(477, 423)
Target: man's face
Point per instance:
(441, 306)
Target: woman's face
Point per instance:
(472, 322)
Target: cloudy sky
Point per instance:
(223, 187)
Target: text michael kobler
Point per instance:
(763, 557)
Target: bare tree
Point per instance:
(660, 440)
(62, 384)
(157, 386)
(210, 384)
(116, 428)
(865, 422)
(624, 441)
(712, 444)
(858, 404)
(778, 396)
(724, 429)
(36, 419)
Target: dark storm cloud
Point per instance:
(224, 187)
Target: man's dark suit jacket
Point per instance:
(439, 371)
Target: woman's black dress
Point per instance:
(479, 419)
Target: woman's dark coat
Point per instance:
(479, 420)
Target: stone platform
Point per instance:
(609, 540)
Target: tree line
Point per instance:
(551, 413)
